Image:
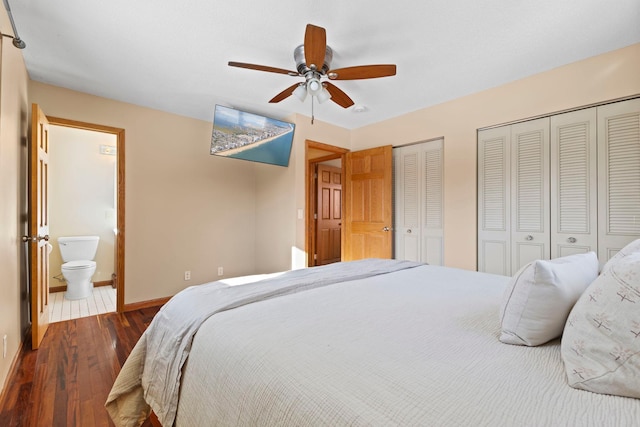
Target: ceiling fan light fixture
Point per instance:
(323, 96)
(314, 86)
(301, 92)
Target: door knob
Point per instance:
(385, 229)
(45, 238)
(529, 237)
(409, 231)
(572, 240)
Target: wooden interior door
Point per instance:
(39, 224)
(329, 214)
(368, 204)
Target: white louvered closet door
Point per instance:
(530, 210)
(618, 176)
(432, 231)
(418, 212)
(407, 203)
(494, 193)
(574, 195)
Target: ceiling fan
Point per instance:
(313, 62)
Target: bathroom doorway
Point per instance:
(86, 196)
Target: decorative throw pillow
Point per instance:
(601, 343)
(540, 296)
(631, 248)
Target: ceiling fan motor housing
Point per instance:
(301, 66)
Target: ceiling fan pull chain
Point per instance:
(312, 109)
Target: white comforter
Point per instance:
(417, 347)
(151, 375)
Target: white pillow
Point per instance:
(540, 296)
(631, 248)
(601, 343)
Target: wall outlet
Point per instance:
(220, 271)
(187, 275)
(4, 346)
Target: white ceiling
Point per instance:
(172, 55)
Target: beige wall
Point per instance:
(601, 78)
(185, 209)
(82, 195)
(13, 134)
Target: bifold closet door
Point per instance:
(406, 212)
(419, 204)
(432, 231)
(494, 199)
(557, 186)
(530, 204)
(513, 196)
(618, 176)
(574, 211)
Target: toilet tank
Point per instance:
(78, 247)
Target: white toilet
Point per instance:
(78, 253)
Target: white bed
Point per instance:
(418, 346)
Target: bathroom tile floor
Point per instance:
(103, 300)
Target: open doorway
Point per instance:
(102, 216)
(323, 247)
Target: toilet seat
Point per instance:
(78, 265)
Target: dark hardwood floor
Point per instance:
(66, 381)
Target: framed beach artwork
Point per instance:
(242, 135)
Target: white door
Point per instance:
(618, 176)
(432, 231)
(419, 202)
(494, 200)
(406, 213)
(574, 196)
(530, 210)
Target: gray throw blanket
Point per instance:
(151, 374)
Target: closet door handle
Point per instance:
(572, 240)
(529, 237)
(409, 231)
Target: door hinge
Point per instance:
(315, 216)
(315, 257)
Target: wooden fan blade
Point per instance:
(363, 72)
(338, 96)
(315, 46)
(285, 93)
(262, 68)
